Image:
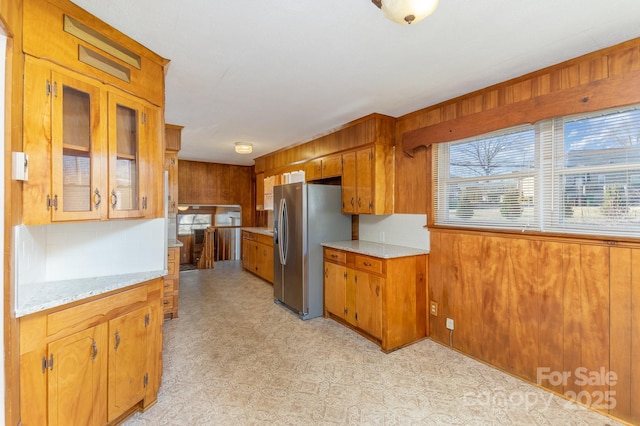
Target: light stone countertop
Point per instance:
(174, 243)
(264, 231)
(384, 251)
(57, 293)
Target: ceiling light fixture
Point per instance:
(405, 12)
(244, 148)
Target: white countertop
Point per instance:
(174, 243)
(57, 293)
(265, 231)
(384, 251)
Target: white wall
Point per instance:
(50, 253)
(399, 229)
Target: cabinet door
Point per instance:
(369, 303)
(127, 361)
(126, 120)
(332, 166)
(265, 253)
(335, 287)
(349, 183)
(313, 169)
(364, 179)
(77, 378)
(171, 164)
(151, 160)
(78, 154)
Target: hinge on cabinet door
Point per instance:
(345, 275)
(370, 155)
(356, 316)
(117, 336)
(47, 363)
(144, 118)
(370, 205)
(145, 381)
(146, 320)
(48, 88)
(52, 202)
(346, 311)
(94, 350)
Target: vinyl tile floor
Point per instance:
(234, 357)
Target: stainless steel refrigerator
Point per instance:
(305, 215)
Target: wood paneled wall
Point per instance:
(524, 304)
(212, 183)
(599, 80)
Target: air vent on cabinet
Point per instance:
(98, 61)
(94, 38)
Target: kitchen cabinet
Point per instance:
(367, 180)
(127, 361)
(322, 168)
(383, 299)
(77, 378)
(171, 283)
(94, 152)
(260, 192)
(173, 142)
(92, 362)
(257, 254)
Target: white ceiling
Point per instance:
(279, 72)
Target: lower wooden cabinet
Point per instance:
(382, 299)
(92, 363)
(171, 283)
(257, 254)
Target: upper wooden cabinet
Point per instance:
(63, 32)
(94, 152)
(367, 181)
(172, 138)
(325, 167)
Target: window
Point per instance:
(488, 181)
(578, 174)
(187, 223)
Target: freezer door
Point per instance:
(294, 276)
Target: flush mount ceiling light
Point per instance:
(244, 148)
(405, 12)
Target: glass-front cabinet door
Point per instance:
(78, 154)
(126, 134)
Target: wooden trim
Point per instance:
(542, 236)
(616, 91)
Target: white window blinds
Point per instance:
(578, 174)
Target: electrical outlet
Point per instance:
(433, 308)
(450, 323)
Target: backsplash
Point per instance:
(399, 229)
(81, 250)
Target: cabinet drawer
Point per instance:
(171, 254)
(169, 286)
(87, 312)
(167, 303)
(369, 264)
(335, 255)
(172, 268)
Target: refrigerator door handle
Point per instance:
(283, 232)
(285, 238)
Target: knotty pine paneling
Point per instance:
(515, 99)
(212, 183)
(527, 303)
(550, 314)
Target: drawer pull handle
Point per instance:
(335, 256)
(366, 263)
(166, 302)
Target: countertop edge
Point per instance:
(380, 250)
(66, 290)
